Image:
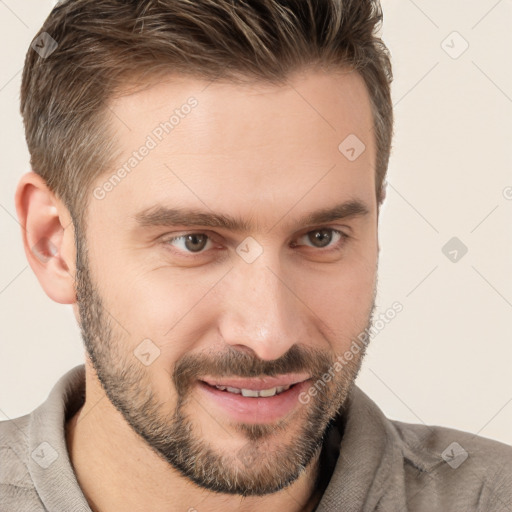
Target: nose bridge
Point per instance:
(263, 314)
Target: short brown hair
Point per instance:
(102, 43)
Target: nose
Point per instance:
(263, 313)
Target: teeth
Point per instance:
(253, 392)
(268, 392)
(249, 392)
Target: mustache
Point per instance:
(235, 363)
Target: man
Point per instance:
(206, 185)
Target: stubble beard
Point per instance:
(263, 464)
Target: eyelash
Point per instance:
(335, 247)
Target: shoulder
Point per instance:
(13, 449)
(16, 485)
(450, 443)
(459, 462)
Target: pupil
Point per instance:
(322, 236)
(194, 239)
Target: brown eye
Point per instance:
(195, 242)
(189, 243)
(320, 237)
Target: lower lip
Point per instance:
(255, 409)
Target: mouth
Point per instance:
(256, 400)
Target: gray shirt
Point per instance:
(379, 464)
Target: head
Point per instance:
(206, 187)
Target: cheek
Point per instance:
(343, 297)
(162, 305)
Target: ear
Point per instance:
(48, 237)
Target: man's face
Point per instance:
(182, 321)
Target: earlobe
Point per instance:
(48, 237)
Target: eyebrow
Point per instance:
(161, 216)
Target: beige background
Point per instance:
(446, 359)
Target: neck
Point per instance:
(117, 470)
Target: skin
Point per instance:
(268, 155)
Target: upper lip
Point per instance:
(257, 383)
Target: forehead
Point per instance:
(246, 147)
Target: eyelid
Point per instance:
(213, 235)
(341, 228)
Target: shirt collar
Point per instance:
(369, 469)
(369, 456)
